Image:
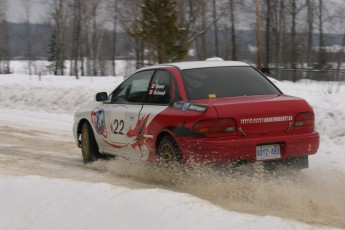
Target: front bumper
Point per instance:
(239, 148)
(75, 134)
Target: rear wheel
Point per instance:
(168, 152)
(89, 147)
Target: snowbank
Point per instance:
(34, 202)
(52, 94)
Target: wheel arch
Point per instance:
(80, 125)
(90, 149)
(163, 134)
(160, 137)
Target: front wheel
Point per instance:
(89, 147)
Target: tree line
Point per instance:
(289, 33)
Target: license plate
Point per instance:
(267, 152)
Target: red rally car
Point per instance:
(207, 111)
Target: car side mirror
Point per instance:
(102, 96)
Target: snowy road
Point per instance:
(29, 147)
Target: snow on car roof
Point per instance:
(205, 64)
(198, 64)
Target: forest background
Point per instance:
(297, 36)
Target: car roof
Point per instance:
(198, 64)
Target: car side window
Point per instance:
(133, 89)
(160, 88)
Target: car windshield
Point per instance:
(218, 82)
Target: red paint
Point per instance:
(115, 146)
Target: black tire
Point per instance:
(89, 147)
(168, 152)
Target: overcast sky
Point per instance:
(16, 10)
(39, 12)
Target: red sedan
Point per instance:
(207, 111)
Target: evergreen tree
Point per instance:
(159, 31)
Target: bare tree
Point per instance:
(4, 39)
(295, 8)
(203, 52)
(78, 9)
(195, 15)
(258, 36)
(114, 15)
(215, 26)
(233, 30)
(278, 30)
(28, 54)
(268, 33)
(203, 15)
(128, 11)
(287, 28)
(293, 51)
(322, 53)
(96, 35)
(59, 16)
(340, 56)
(310, 19)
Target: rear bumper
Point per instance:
(231, 149)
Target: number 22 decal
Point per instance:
(119, 125)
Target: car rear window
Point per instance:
(218, 82)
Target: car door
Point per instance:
(122, 114)
(158, 98)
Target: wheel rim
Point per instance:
(85, 143)
(167, 154)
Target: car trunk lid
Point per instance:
(259, 114)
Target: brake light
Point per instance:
(215, 126)
(305, 121)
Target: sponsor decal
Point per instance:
(98, 121)
(184, 106)
(157, 89)
(259, 120)
(197, 108)
(177, 105)
(158, 86)
(159, 93)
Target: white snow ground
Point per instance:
(44, 202)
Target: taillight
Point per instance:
(215, 126)
(304, 121)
